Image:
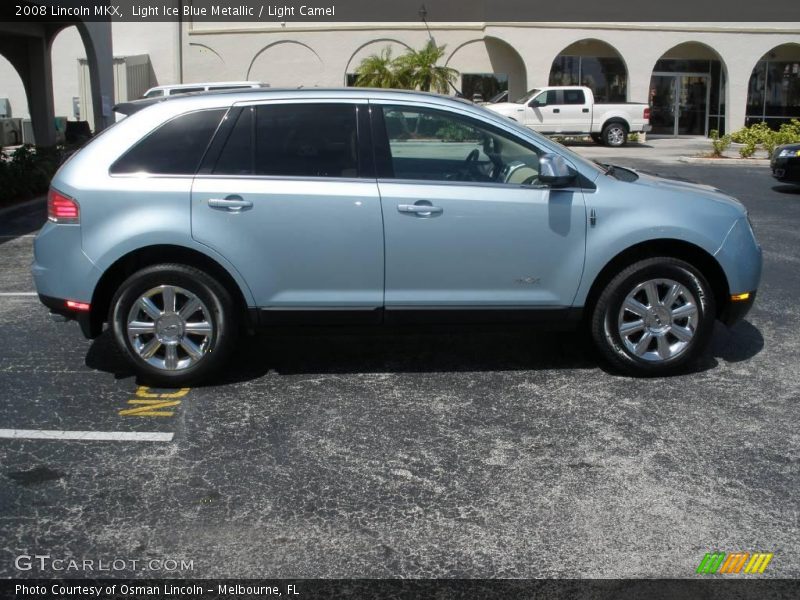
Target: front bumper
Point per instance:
(735, 311)
(786, 169)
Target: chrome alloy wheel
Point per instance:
(169, 328)
(616, 135)
(658, 320)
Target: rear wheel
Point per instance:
(175, 324)
(615, 135)
(654, 318)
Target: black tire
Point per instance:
(615, 135)
(218, 309)
(607, 317)
(596, 138)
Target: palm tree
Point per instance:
(378, 71)
(418, 69)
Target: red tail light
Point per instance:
(646, 114)
(62, 209)
(81, 306)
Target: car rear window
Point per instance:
(175, 148)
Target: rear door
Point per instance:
(287, 195)
(576, 112)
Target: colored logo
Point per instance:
(735, 562)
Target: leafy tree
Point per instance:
(378, 70)
(416, 69)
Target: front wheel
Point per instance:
(175, 324)
(654, 318)
(615, 135)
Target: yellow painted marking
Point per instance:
(758, 562)
(151, 404)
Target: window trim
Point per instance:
(144, 175)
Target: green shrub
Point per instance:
(760, 135)
(719, 144)
(27, 171)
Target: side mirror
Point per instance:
(555, 171)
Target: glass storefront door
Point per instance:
(679, 103)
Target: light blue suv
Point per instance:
(200, 217)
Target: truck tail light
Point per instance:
(646, 115)
(61, 208)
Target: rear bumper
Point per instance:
(58, 306)
(733, 312)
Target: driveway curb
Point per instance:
(753, 162)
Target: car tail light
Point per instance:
(61, 208)
(646, 115)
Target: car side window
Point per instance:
(574, 97)
(175, 148)
(436, 145)
(236, 157)
(306, 140)
(547, 98)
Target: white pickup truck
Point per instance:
(571, 110)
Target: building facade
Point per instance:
(696, 76)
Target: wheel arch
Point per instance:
(147, 256)
(616, 119)
(680, 249)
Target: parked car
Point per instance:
(199, 217)
(569, 110)
(785, 163)
(188, 88)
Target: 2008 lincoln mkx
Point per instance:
(199, 217)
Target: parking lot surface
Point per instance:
(427, 454)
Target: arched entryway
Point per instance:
(687, 91)
(488, 67)
(595, 64)
(773, 94)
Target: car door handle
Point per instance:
(231, 203)
(586, 110)
(423, 210)
(556, 110)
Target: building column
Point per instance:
(738, 80)
(96, 38)
(38, 82)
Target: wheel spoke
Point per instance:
(631, 327)
(643, 343)
(150, 309)
(687, 310)
(651, 291)
(168, 294)
(684, 334)
(149, 349)
(636, 307)
(191, 349)
(198, 327)
(188, 309)
(140, 327)
(663, 347)
(171, 358)
(672, 295)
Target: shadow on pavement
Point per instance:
(321, 351)
(787, 188)
(26, 218)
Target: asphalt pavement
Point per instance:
(386, 454)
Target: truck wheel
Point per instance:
(654, 318)
(174, 323)
(615, 135)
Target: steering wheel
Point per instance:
(472, 164)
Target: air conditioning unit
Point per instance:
(10, 132)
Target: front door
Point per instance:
(679, 104)
(466, 222)
(284, 202)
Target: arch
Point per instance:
(12, 87)
(291, 64)
(688, 90)
(594, 63)
(206, 58)
(361, 52)
(773, 90)
(69, 79)
(487, 65)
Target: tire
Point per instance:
(652, 336)
(615, 135)
(173, 348)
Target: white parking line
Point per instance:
(18, 294)
(111, 436)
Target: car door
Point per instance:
(543, 112)
(466, 224)
(576, 114)
(286, 196)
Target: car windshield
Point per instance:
(527, 97)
